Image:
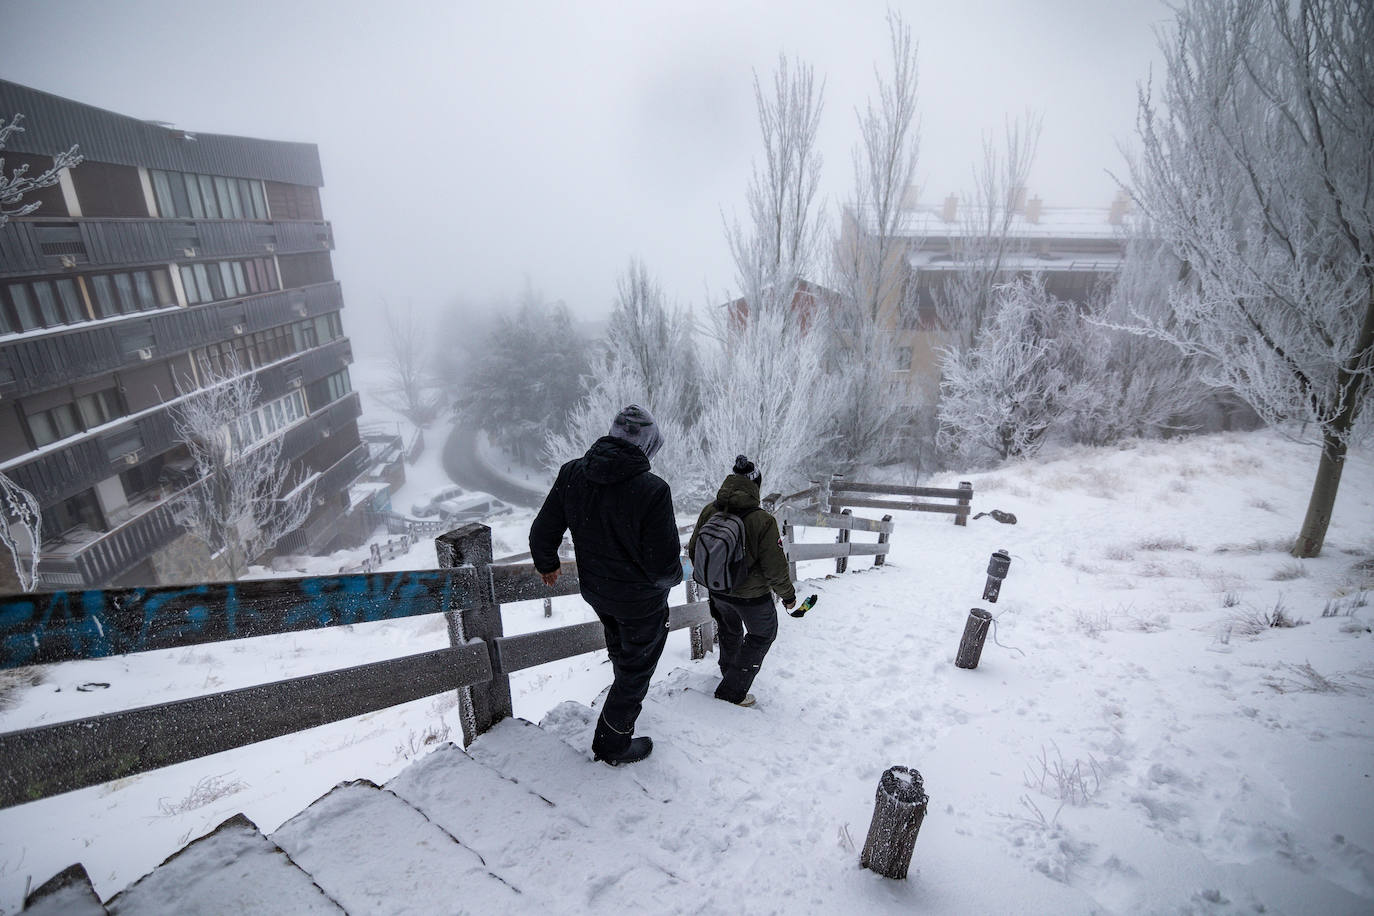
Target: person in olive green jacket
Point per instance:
(745, 617)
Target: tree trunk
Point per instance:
(1323, 500)
(1354, 384)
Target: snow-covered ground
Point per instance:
(1140, 740)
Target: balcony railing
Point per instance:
(57, 473)
(44, 246)
(84, 558)
(30, 364)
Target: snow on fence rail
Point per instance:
(468, 588)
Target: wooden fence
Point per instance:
(468, 588)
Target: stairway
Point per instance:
(523, 821)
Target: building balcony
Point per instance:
(82, 558)
(63, 355)
(63, 469)
(36, 246)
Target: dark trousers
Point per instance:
(634, 645)
(747, 627)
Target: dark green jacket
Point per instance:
(763, 544)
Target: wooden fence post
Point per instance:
(898, 811)
(548, 607)
(842, 563)
(830, 485)
(975, 632)
(789, 537)
(964, 501)
(881, 559)
(481, 705)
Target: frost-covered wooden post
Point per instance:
(830, 487)
(703, 635)
(481, 705)
(548, 607)
(962, 518)
(789, 537)
(898, 811)
(975, 632)
(883, 536)
(842, 563)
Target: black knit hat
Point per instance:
(745, 468)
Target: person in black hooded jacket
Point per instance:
(626, 544)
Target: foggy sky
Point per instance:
(467, 145)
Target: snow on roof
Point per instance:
(924, 221)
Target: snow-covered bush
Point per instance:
(1001, 397)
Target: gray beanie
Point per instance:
(636, 425)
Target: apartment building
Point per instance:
(163, 256)
(1074, 250)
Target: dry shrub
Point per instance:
(1164, 542)
(1290, 571)
(208, 790)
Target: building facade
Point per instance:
(164, 256)
(1073, 250)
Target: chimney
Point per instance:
(1033, 209)
(1018, 198)
(1121, 205)
(950, 209)
(911, 197)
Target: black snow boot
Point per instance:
(616, 747)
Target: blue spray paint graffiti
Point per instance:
(61, 626)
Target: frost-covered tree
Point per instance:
(409, 385)
(766, 391)
(527, 380)
(1003, 395)
(1135, 385)
(21, 530)
(650, 358)
(16, 183)
(1256, 167)
(984, 245)
(869, 270)
(247, 498)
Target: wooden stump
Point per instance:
(975, 632)
(842, 563)
(898, 811)
(881, 559)
(997, 571)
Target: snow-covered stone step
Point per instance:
(547, 851)
(374, 853)
(232, 869)
(67, 893)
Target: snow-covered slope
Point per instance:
(1139, 741)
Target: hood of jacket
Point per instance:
(611, 460)
(737, 494)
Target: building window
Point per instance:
(266, 420)
(40, 304)
(210, 281)
(126, 293)
(328, 390)
(98, 407)
(188, 196)
(81, 509)
(53, 424)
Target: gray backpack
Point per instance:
(720, 561)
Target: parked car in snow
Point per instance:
(471, 507)
(429, 504)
